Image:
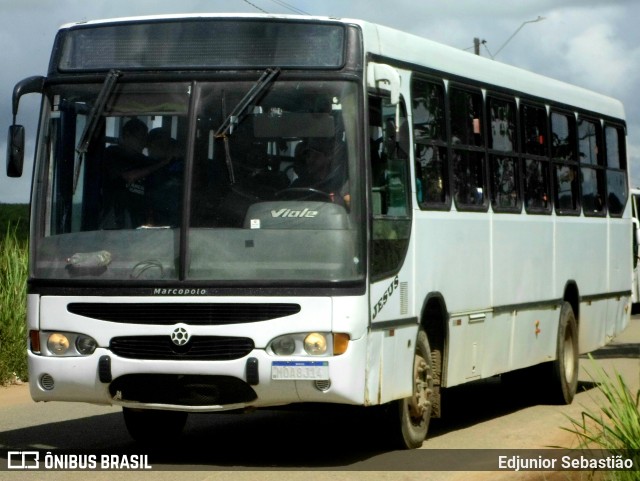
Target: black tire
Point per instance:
(554, 382)
(563, 379)
(414, 413)
(154, 427)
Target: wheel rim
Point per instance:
(569, 356)
(419, 403)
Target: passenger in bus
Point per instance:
(125, 171)
(123, 195)
(296, 169)
(164, 185)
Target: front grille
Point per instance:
(195, 314)
(199, 348)
(181, 390)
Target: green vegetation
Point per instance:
(16, 216)
(615, 425)
(14, 233)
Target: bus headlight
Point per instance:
(284, 345)
(58, 344)
(309, 344)
(315, 344)
(86, 345)
(66, 344)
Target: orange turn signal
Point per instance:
(340, 343)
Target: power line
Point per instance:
(255, 6)
(290, 7)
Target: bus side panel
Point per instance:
(621, 273)
(594, 333)
(620, 255)
(581, 255)
(389, 365)
(591, 329)
(373, 380)
(522, 259)
(467, 338)
(457, 260)
(499, 333)
(534, 337)
(393, 335)
(620, 309)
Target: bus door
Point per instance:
(393, 325)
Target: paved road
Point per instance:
(308, 443)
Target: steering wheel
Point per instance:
(304, 193)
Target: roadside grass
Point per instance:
(614, 426)
(17, 217)
(13, 283)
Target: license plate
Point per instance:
(300, 370)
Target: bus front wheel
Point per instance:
(148, 426)
(415, 411)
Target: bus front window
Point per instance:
(275, 197)
(271, 197)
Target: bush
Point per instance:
(13, 329)
(615, 425)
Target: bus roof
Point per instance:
(449, 62)
(452, 62)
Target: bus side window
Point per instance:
(616, 170)
(591, 167)
(536, 159)
(468, 153)
(430, 143)
(563, 153)
(503, 145)
(389, 149)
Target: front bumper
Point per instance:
(195, 386)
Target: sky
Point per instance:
(590, 43)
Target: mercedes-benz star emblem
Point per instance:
(180, 336)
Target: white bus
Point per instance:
(240, 211)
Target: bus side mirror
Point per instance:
(15, 151)
(15, 140)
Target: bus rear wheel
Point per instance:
(415, 411)
(563, 379)
(154, 427)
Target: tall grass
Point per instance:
(614, 426)
(13, 284)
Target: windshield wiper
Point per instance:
(234, 117)
(92, 120)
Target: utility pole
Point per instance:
(539, 19)
(476, 46)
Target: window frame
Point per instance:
(572, 163)
(598, 168)
(472, 150)
(495, 155)
(622, 167)
(525, 156)
(436, 144)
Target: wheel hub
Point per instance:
(420, 403)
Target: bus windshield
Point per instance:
(221, 188)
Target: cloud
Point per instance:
(596, 57)
(591, 43)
